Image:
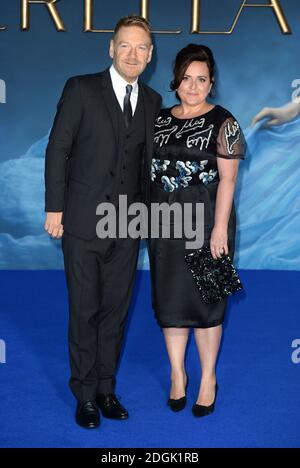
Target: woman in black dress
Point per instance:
(196, 157)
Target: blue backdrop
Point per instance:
(256, 67)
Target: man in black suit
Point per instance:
(100, 147)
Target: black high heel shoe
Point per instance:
(180, 403)
(200, 410)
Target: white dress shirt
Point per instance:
(119, 86)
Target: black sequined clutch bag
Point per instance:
(215, 279)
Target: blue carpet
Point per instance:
(258, 401)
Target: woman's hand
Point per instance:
(219, 242)
(278, 115)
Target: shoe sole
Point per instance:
(122, 418)
(90, 426)
(206, 412)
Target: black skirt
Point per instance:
(175, 298)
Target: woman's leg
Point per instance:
(208, 343)
(176, 341)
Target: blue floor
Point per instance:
(258, 402)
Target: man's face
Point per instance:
(131, 50)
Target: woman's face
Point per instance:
(195, 85)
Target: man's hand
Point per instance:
(53, 224)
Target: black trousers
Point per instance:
(100, 277)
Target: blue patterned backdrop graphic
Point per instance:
(257, 65)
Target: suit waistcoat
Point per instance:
(131, 143)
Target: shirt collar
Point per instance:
(118, 80)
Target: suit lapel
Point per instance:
(149, 121)
(149, 111)
(110, 101)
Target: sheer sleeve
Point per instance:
(231, 142)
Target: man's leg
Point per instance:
(119, 274)
(84, 276)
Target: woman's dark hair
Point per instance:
(187, 55)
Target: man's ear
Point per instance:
(111, 49)
(150, 54)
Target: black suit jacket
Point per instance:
(82, 156)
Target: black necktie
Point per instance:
(127, 106)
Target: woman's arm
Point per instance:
(228, 171)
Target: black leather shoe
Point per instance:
(87, 414)
(179, 403)
(111, 407)
(200, 410)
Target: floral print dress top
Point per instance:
(185, 170)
